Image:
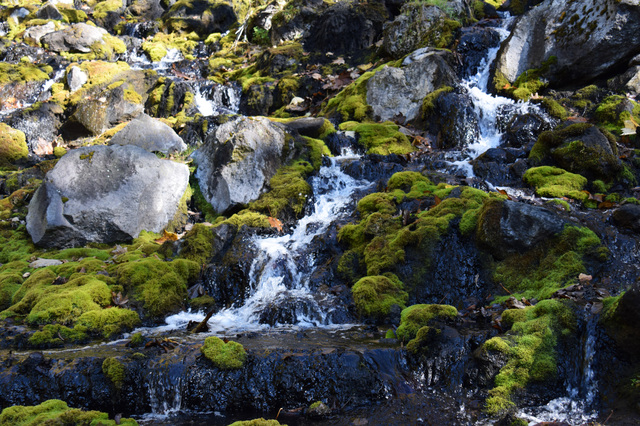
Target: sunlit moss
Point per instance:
(226, 356)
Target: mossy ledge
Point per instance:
(225, 356)
(55, 411)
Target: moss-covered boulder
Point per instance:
(374, 296)
(13, 145)
(84, 39)
(200, 16)
(416, 328)
(555, 182)
(226, 356)
(55, 411)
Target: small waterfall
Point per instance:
(280, 273)
(489, 109)
(215, 99)
(577, 407)
(165, 388)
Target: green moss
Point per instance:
(375, 295)
(497, 344)
(429, 101)
(136, 340)
(101, 9)
(226, 356)
(74, 15)
(415, 317)
(554, 108)
(612, 112)
(200, 203)
(380, 138)
(13, 145)
(549, 267)
(197, 244)
(22, 73)
(317, 148)
(55, 411)
(531, 349)
(59, 151)
(554, 182)
(56, 334)
(160, 286)
(246, 218)
(289, 191)
(527, 84)
(115, 371)
(351, 102)
(109, 322)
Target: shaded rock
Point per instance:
(627, 216)
(473, 46)
(49, 11)
(200, 16)
(588, 38)
(307, 126)
(238, 160)
(76, 38)
(407, 31)
(346, 28)
(40, 125)
(149, 134)
(148, 10)
(523, 130)
(398, 92)
(76, 78)
(453, 121)
(105, 194)
(508, 227)
(627, 82)
(496, 165)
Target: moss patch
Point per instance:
(226, 356)
(530, 347)
(555, 182)
(13, 145)
(351, 102)
(380, 138)
(115, 371)
(55, 411)
(375, 295)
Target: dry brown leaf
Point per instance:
(167, 236)
(275, 223)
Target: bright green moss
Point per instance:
(289, 190)
(55, 411)
(375, 295)
(109, 322)
(406, 180)
(115, 371)
(351, 102)
(317, 149)
(197, 244)
(611, 113)
(527, 84)
(101, 9)
(160, 286)
(531, 349)
(22, 73)
(429, 101)
(74, 15)
(380, 138)
(246, 218)
(226, 356)
(497, 344)
(545, 269)
(13, 145)
(555, 182)
(56, 334)
(415, 317)
(554, 108)
(257, 422)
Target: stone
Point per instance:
(36, 33)
(76, 78)
(453, 121)
(473, 46)
(588, 38)
(523, 130)
(43, 263)
(398, 92)
(238, 160)
(200, 16)
(105, 194)
(307, 126)
(405, 33)
(627, 216)
(49, 11)
(76, 38)
(149, 134)
(627, 82)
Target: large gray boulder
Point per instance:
(149, 134)
(415, 22)
(398, 92)
(588, 38)
(105, 194)
(238, 160)
(76, 38)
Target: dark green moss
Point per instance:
(197, 244)
(115, 371)
(415, 317)
(375, 295)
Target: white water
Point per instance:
(577, 407)
(217, 99)
(488, 107)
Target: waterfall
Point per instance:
(578, 406)
(214, 99)
(164, 384)
(280, 272)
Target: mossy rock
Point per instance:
(415, 317)
(197, 244)
(380, 138)
(530, 347)
(374, 296)
(257, 422)
(351, 102)
(23, 72)
(614, 110)
(226, 356)
(53, 335)
(115, 371)
(55, 411)
(556, 183)
(13, 145)
(109, 322)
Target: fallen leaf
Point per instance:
(584, 278)
(275, 223)
(339, 61)
(167, 236)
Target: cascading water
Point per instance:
(214, 99)
(489, 109)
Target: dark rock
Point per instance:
(97, 115)
(200, 16)
(307, 126)
(258, 99)
(40, 125)
(105, 194)
(473, 46)
(339, 142)
(453, 121)
(49, 11)
(76, 38)
(408, 30)
(523, 130)
(516, 227)
(627, 216)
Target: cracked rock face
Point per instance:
(105, 194)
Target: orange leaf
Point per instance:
(167, 236)
(275, 223)
(437, 200)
